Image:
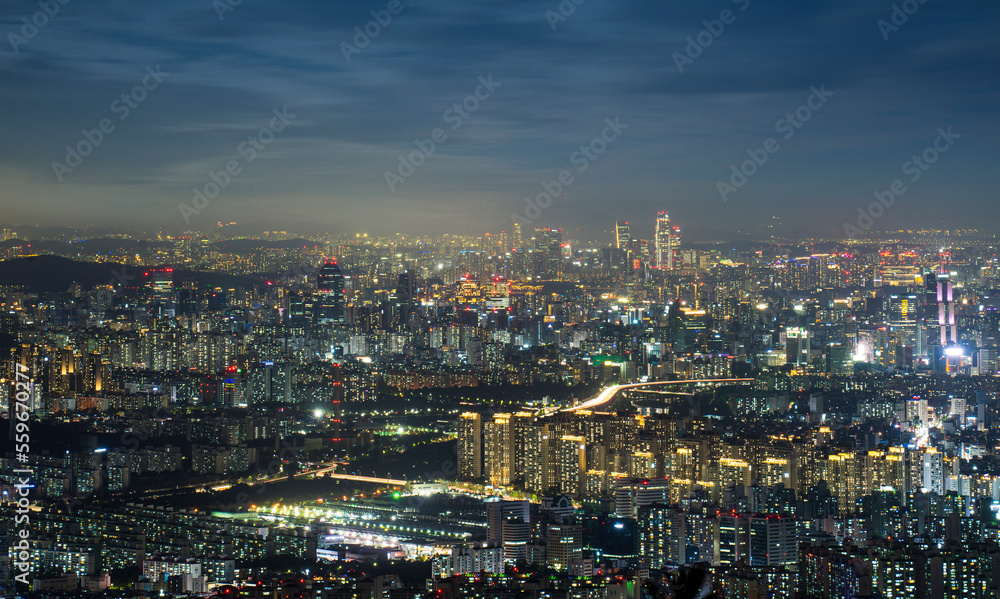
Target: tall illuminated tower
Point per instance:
(622, 236)
(330, 290)
(675, 247)
(946, 311)
(945, 351)
(664, 244)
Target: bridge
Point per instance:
(329, 471)
(607, 396)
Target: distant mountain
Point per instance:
(47, 274)
(102, 245)
(44, 274)
(214, 279)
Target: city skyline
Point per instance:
(547, 299)
(219, 414)
(300, 125)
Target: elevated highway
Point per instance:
(608, 395)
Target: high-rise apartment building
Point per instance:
(538, 450)
(571, 458)
(771, 540)
(661, 535)
(470, 446)
(498, 440)
(634, 493)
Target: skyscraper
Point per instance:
(798, 347)
(946, 353)
(623, 238)
(160, 284)
(946, 310)
(664, 242)
(330, 293)
(405, 296)
(674, 250)
(549, 243)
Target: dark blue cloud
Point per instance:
(607, 59)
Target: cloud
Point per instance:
(607, 59)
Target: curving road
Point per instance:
(607, 395)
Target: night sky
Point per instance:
(690, 111)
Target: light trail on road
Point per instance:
(608, 394)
